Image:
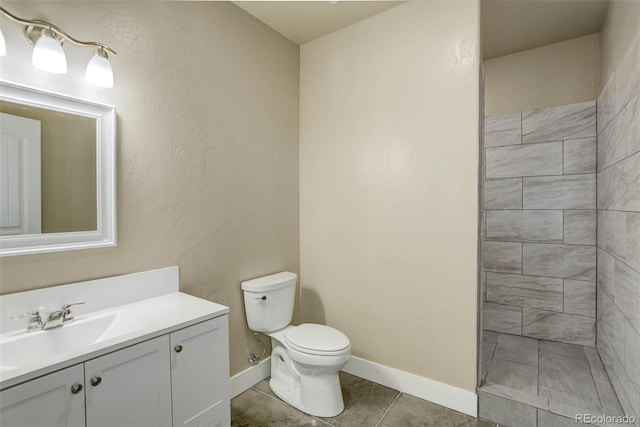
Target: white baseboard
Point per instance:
(424, 388)
(249, 377)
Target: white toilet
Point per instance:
(305, 359)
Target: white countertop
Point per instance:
(138, 321)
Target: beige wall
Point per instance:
(621, 25)
(207, 103)
(68, 168)
(388, 187)
(557, 74)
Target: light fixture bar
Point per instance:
(29, 25)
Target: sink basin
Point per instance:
(31, 347)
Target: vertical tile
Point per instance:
(563, 261)
(502, 130)
(611, 321)
(605, 349)
(490, 337)
(627, 288)
(624, 387)
(612, 143)
(619, 185)
(506, 411)
(580, 227)
(611, 232)
(526, 291)
(610, 403)
(632, 239)
(503, 193)
(579, 155)
(580, 297)
(607, 108)
(524, 160)
(502, 318)
(527, 226)
(558, 123)
(632, 120)
(632, 356)
(606, 279)
(502, 256)
(560, 192)
(549, 325)
(628, 74)
(487, 354)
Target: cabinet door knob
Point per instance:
(178, 348)
(96, 380)
(76, 388)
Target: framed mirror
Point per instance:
(57, 172)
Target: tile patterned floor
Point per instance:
(537, 375)
(367, 404)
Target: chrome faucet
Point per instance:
(35, 321)
(56, 318)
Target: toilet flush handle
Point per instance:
(263, 297)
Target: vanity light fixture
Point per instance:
(48, 54)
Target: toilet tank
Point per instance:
(269, 300)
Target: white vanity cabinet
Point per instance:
(200, 374)
(55, 400)
(177, 379)
(130, 387)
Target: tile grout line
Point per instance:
(389, 408)
(286, 404)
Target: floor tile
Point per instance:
(513, 375)
(409, 411)
(568, 381)
(517, 349)
(253, 408)
(365, 402)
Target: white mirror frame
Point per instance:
(105, 116)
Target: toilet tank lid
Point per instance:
(270, 283)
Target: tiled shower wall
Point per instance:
(539, 253)
(619, 230)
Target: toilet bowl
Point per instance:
(305, 359)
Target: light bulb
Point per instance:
(48, 55)
(3, 45)
(99, 72)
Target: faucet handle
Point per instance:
(35, 321)
(66, 311)
(67, 306)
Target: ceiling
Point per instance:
(508, 26)
(303, 21)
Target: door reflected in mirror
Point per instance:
(47, 171)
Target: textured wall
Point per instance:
(539, 254)
(388, 186)
(557, 74)
(207, 103)
(619, 228)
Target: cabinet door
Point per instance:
(200, 372)
(53, 400)
(130, 387)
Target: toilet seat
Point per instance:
(317, 339)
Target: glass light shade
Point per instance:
(48, 55)
(3, 45)
(99, 72)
